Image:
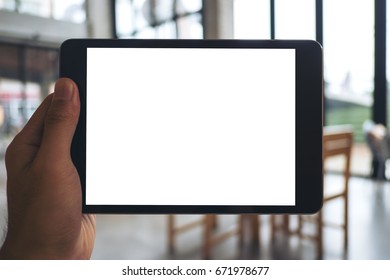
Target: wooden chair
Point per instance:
(211, 237)
(337, 141)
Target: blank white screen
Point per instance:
(190, 126)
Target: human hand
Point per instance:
(45, 220)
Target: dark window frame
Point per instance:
(175, 18)
(378, 110)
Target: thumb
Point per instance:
(60, 121)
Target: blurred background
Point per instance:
(354, 38)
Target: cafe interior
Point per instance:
(354, 222)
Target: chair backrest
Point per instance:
(338, 140)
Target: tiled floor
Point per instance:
(145, 237)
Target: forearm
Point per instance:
(17, 250)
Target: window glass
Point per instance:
(157, 11)
(8, 5)
(188, 6)
(124, 17)
(140, 14)
(146, 33)
(70, 10)
(295, 19)
(17, 104)
(349, 62)
(40, 8)
(169, 19)
(349, 73)
(166, 30)
(190, 27)
(252, 19)
(26, 77)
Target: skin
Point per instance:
(45, 220)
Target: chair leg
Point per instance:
(346, 202)
(214, 222)
(300, 224)
(346, 222)
(241, 230)
(255, 225)
(286, 224)
(320, 246)
(273, 226)
(171, 233)
(207, 236)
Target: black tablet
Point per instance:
(198, 126)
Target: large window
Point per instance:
(27, 75)
(291, 19)
(349, 62)
(346, 30)
(169, 19)
(70, 10)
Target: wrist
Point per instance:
(27, 251)
(6, 253)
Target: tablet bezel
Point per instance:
(309, 121)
